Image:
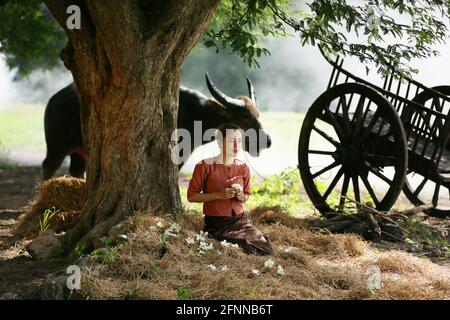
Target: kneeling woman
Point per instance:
(222, 184)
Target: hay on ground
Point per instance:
(314, 265)
(66, 195)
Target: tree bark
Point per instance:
(126, 62)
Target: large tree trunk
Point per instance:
(126, 61)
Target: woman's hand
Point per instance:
(227, 193)
(240, 195)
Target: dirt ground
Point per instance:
(20, 276)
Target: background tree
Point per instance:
(126, 62)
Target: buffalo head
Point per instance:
(243, 112)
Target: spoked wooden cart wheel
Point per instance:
(422, 190)
(352, 146)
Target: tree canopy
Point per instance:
(30, 38)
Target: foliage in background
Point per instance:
(36, 41)
(414, 25)
(30, 37)
(242, 24)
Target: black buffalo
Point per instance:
(63, 128)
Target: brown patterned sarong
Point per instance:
(239, 229)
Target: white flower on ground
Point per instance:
(190, 241)
(172, 231)
(255, 272)
(235, 245)
(175, 228)
(269, 263)
(212, 267)
(224, 268)
(225, 243)
(160, 224)
(201, 236)
(280, 270)
(207, 247)
(288, 249)
(203, 247)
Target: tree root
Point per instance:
(369, 223)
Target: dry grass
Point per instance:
(65, 194)
(317, 266)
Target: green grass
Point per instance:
(7, 165)
(108, 253)
(22, 128)
(44, 221)
(282, 190)
(184, 294)
(188, 205)
(286, 126)
(422, 233)
(3, 156)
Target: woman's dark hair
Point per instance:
(222, 130)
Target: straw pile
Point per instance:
(316, 266)
(161, 260)
(66, 195)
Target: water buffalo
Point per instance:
(63, 128)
